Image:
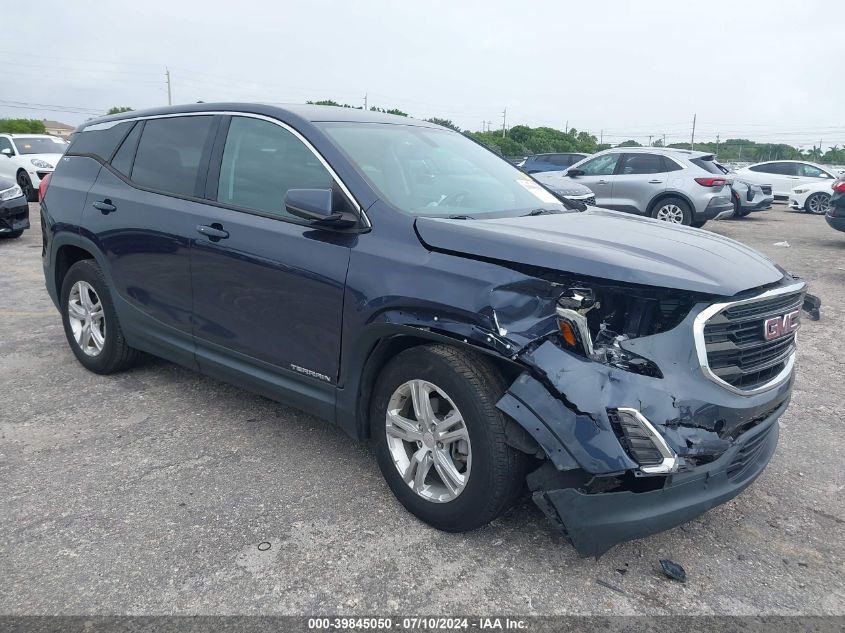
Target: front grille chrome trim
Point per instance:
(701, 347)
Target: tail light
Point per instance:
(839, 186)
(42, 188)
(711, 182)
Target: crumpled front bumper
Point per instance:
(596, 522)
(590, 485)
(14, 215)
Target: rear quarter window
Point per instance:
(99, 143)
(707, 165)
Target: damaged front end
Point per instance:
(649, 405)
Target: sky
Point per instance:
(765, 70)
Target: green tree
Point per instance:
(26, 126)
(629, 143)
(444, 122)
(332, 102)
(395, 111)
(119, 109)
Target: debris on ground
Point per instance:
(673, 570)
(264, 546)
(601, 582)
(784, 244)
(811, 306)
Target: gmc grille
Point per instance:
(591, 201)
(737, 350)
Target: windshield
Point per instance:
(40, 145)
(433, 172)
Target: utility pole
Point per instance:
(649, 139)
(740, 154)
(717, 144)
(692, 138)
(820, 149)
(167, 76)
(504, 120)
(365, 102)
(601, 137)
(664, 140)
(566, 129)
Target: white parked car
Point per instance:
(783, 175)
(813, 198)
(27, 158)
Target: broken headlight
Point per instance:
(590, 328)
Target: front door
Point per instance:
(267, 287)
(598, 176)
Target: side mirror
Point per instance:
(312, 204)
(7, 152)
(574, 173)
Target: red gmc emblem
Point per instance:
(780, 325)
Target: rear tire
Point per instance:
(492, 473)
(673, 210)
(90, 321)
(11, 234)
(698, 224)
(739, 212)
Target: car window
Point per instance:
(40, 145)
(601, 165)
(122, 160)
(99, 142)
(169, 154)
(561, 160)
(808, 171)
(261, 161)
(431, 172)
(641, 164)
(671, 165)
(781, 169)
(708, 166)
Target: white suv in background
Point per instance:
(27, 158)
(784, 175)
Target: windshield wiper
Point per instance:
(460, 217)
(542, 212)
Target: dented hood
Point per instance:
(609, 245)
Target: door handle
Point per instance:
(105, 206)
(655, 182)
(601, 182)
(214, 232)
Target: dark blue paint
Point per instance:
(265, 299)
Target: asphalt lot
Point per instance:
(149, 492)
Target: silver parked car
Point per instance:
(675, 185)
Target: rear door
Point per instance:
(598, 176)
(783, 176)
(142, 212)
(268, 288)
(639, 178)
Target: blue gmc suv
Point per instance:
(405, 283)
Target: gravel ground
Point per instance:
(149, 492)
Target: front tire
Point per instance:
(90, 321)
(440, 441)
(26, 186)
(11, 234)
(673, 210)
(817, 204)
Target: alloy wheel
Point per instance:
(87, 318)
(818, 203)
(428, 441)
(670, 213)
(25, 185)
